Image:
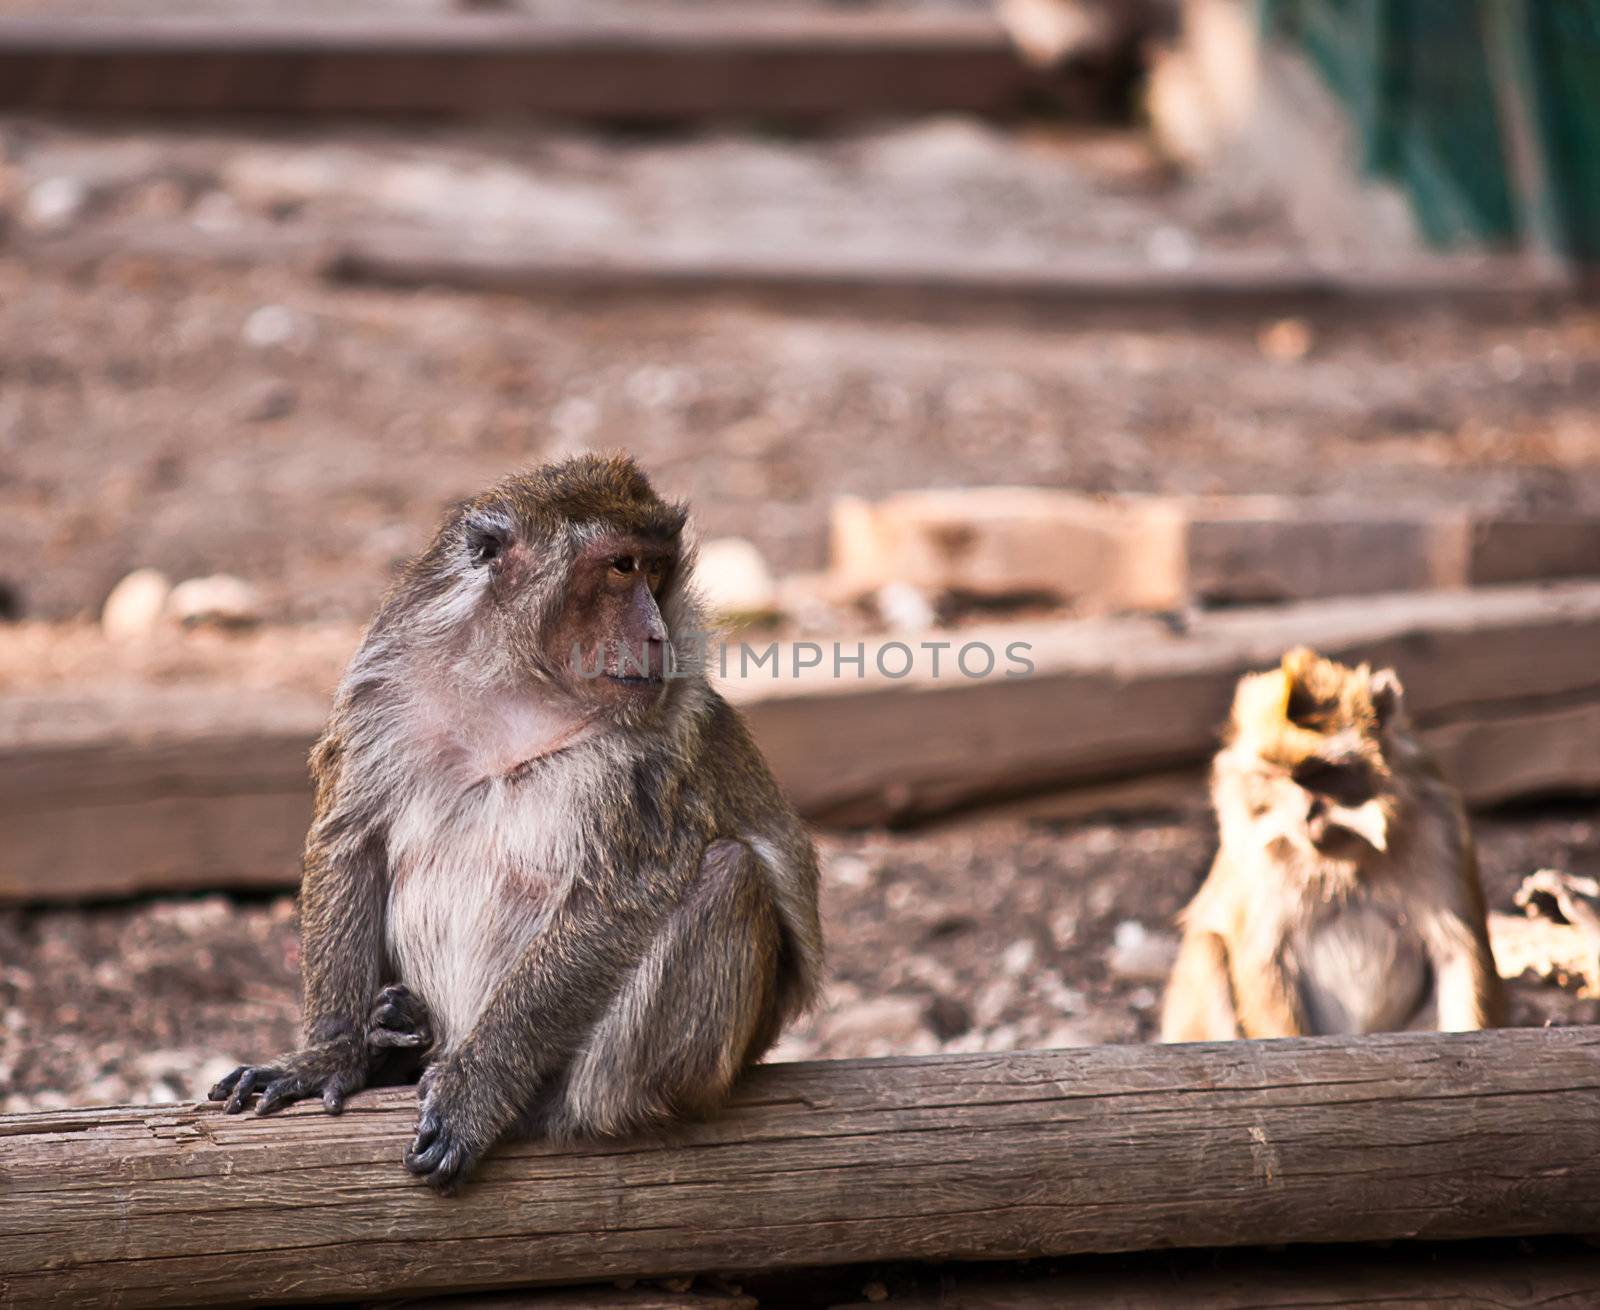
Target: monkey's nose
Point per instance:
(658, 655)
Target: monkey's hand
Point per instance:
(453, 1130)
(331, 1070)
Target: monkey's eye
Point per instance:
(485, 545)
(655, 573)
(624, 564)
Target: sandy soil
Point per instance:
(139, 425)
(198, 416)
(984, 936)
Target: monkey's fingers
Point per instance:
(224, 1086)
(281, 1091)
(248, 1078)
(387, 1037)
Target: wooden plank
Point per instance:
(174, 791)
(1119, 699)
(812, 65)
(1440, 1279)
(999, 1156)
(1242, 283)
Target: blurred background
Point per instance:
(1158, 335)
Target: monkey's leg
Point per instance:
(700, 1006)
(1199, 1001)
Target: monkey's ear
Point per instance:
(1388, 696)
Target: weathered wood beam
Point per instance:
(996, 1156)
(817, 65)
(1240, 286)
(172, 790)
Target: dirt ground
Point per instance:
(195, 415)
(982, 936)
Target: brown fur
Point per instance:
(1345, 894)
(576, 901)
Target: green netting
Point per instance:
(1443, 95)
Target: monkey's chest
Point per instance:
(470, 890)
(1363, 969)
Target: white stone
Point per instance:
(1139, 955)
(903, 608)
(134, 608)
(734, 579)
(220, 599)
(272, 325)
(889, 1024)
(55, 201)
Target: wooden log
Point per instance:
(818, 65)
(177, 791)
(997, 1156)
(1440, 1279)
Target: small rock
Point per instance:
(947, 1018)
(272, 325)
(1018, 957)
(875, 1291)
(216, 212)
(992, 1002)
(1287, 340)
(903, 608)
(220, 599)
(734, 579)
(1139, 955)
(849, 870)
(55, 201)
(134, 608)
(877, 1027)
(268, 401)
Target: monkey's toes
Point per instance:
(438, 1156)
(399, 1019)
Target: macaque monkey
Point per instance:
(548, 869)
(1345, 896)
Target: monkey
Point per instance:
(549, 876)
(1344, 897)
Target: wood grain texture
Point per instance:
(171, 791)
(944, 1157)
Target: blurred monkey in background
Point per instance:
(1344, 897)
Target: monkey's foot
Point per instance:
(332, 1071)
(444, 1148)
(399, 1020)
(439, 1155)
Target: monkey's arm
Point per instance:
(342, 906)
(1469, 993)
(1199, 1000)
(534, 1023)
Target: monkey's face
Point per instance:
(1308, 761)
(611, 637)
(566, 582)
